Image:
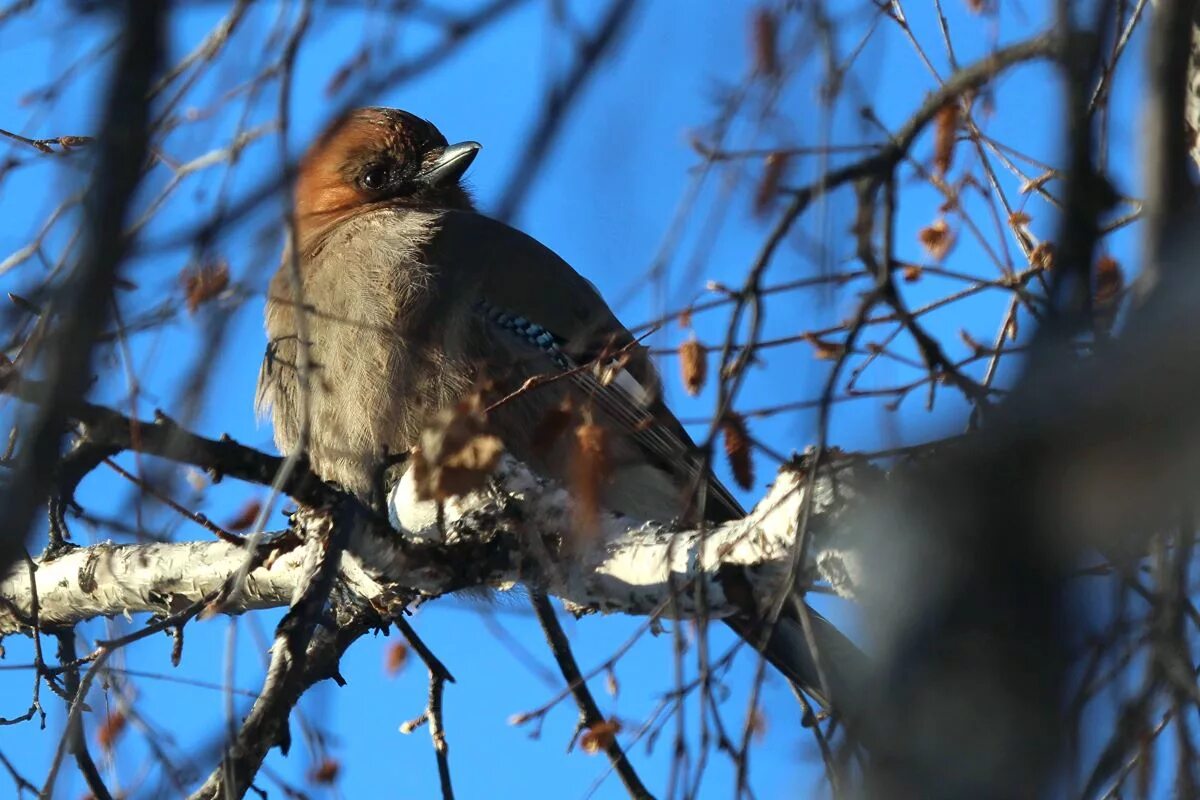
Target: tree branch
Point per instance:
(629, 567)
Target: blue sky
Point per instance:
(603, 200)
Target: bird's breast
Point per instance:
(382, 345)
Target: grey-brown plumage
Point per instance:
(414, 301)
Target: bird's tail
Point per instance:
(843, 667)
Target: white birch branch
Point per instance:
(516, 531)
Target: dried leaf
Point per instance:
(1110, 282)
(972, 344)
(758, 723)
(110, 731)
(395, 658)
(245, 516)
(1042, 256)
(977, 6)
(824, 349)
(204, 282)
(326, 772)
(737, 449)
(774, 168)
(68, 142)
(693, 361)
(599, 736)
(552, 426)
(457, 453)
(590, 469)
(1019, 219)
(937, 239)
(196, 479)
(764, 35)
(610, 682)
(685, 318)
(912, 273)
(945, 136)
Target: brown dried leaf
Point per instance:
(824, 349)
(1019, 219)
(693, 361)
(68, 142)
(685, 318)
(552, 426)
(204, 282)
(110, 731)
(395, 658)
(758, 723)
(196, 479)
(1042, 256)
(737, 449)
(457, 453)
(245, 516)
(774, 168)
(945, 136)
(764, 36)
(326, 772)
(1110, 282)
(912, 273)
(599, 736)
(971, 342)
(977, 6)
(937, 239)
(590, 469)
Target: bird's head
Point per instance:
(375, 158)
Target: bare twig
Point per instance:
(589, 712)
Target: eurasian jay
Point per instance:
(413, 300)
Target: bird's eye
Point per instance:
(376, 177)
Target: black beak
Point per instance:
(450, 164)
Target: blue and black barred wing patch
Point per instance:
(529, 332)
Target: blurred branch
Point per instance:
(1087, 454)
(79, 310)
(1165, 133)
(557, 104)
(113, 432)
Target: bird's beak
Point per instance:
(450, 164)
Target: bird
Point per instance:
(410, 300)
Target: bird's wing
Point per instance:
(535, 306)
